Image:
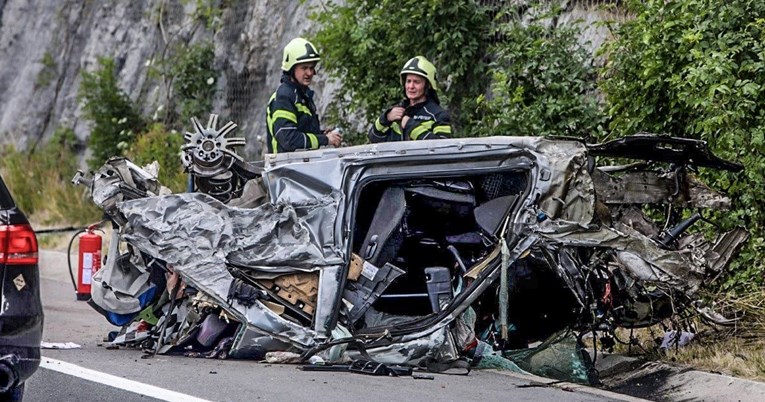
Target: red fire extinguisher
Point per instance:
(90, 261)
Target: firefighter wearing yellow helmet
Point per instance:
(420, 115)
(291, 118)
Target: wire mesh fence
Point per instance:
(248, 47)
(504, 11)
(592, 16)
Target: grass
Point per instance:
(40, 181)
(738, 350)
(733, 356)
(48, 197)
(54, 241)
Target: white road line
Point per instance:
(116, 382)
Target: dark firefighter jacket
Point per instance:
(291, 119)
(427, 120)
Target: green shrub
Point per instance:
(194, 79)
(114, 117)
(695, 68)
(542, 82)
(165, 147)
(208, 12)
(41, 182)
(190, 75)
(48, 71)
(365, 44)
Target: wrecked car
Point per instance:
(418, 254)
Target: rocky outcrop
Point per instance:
(45, 46)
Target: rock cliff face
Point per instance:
(45, 46)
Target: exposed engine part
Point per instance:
(208, 152)
(668, 237)
(210, 157)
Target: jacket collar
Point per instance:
(302, 90)
(406, 103)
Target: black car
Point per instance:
(21, 313)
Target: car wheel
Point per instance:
(14, 395)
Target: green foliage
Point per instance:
(159, 144)
(696, 68)
(366, 43)
(48, 72)
(208, 12)
(542, 82)
(41, 181)
(114, 117)
(194, 77)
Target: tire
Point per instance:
(14, 395)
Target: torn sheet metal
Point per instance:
(186, 227)
(646, 187)
(725, 248)
(198, 236)
(413, 352)
(571, 193)
(663, 148)
(119, 285)
(636, 253)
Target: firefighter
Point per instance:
(420, 115)
(291, 118)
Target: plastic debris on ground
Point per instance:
(282, 358)
(58, 345)
(676, 339)
(560, 357)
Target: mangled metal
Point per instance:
(379, 252)
(209, 154)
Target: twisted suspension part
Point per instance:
(210, 157)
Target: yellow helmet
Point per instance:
(299, 51)
(419, 65)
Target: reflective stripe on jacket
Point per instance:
(427, 120)
(291, 119)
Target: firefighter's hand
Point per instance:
(395, 114)
(334, 138)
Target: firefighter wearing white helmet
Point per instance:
(291, 118)
(420, 115)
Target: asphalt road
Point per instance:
(94, 373)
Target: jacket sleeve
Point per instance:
(383, 130)
(282, 119)
(439, 128)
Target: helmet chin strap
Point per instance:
(291, 75)
(294, 80)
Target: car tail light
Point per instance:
(18, 245)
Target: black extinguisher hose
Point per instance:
(69, 256)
